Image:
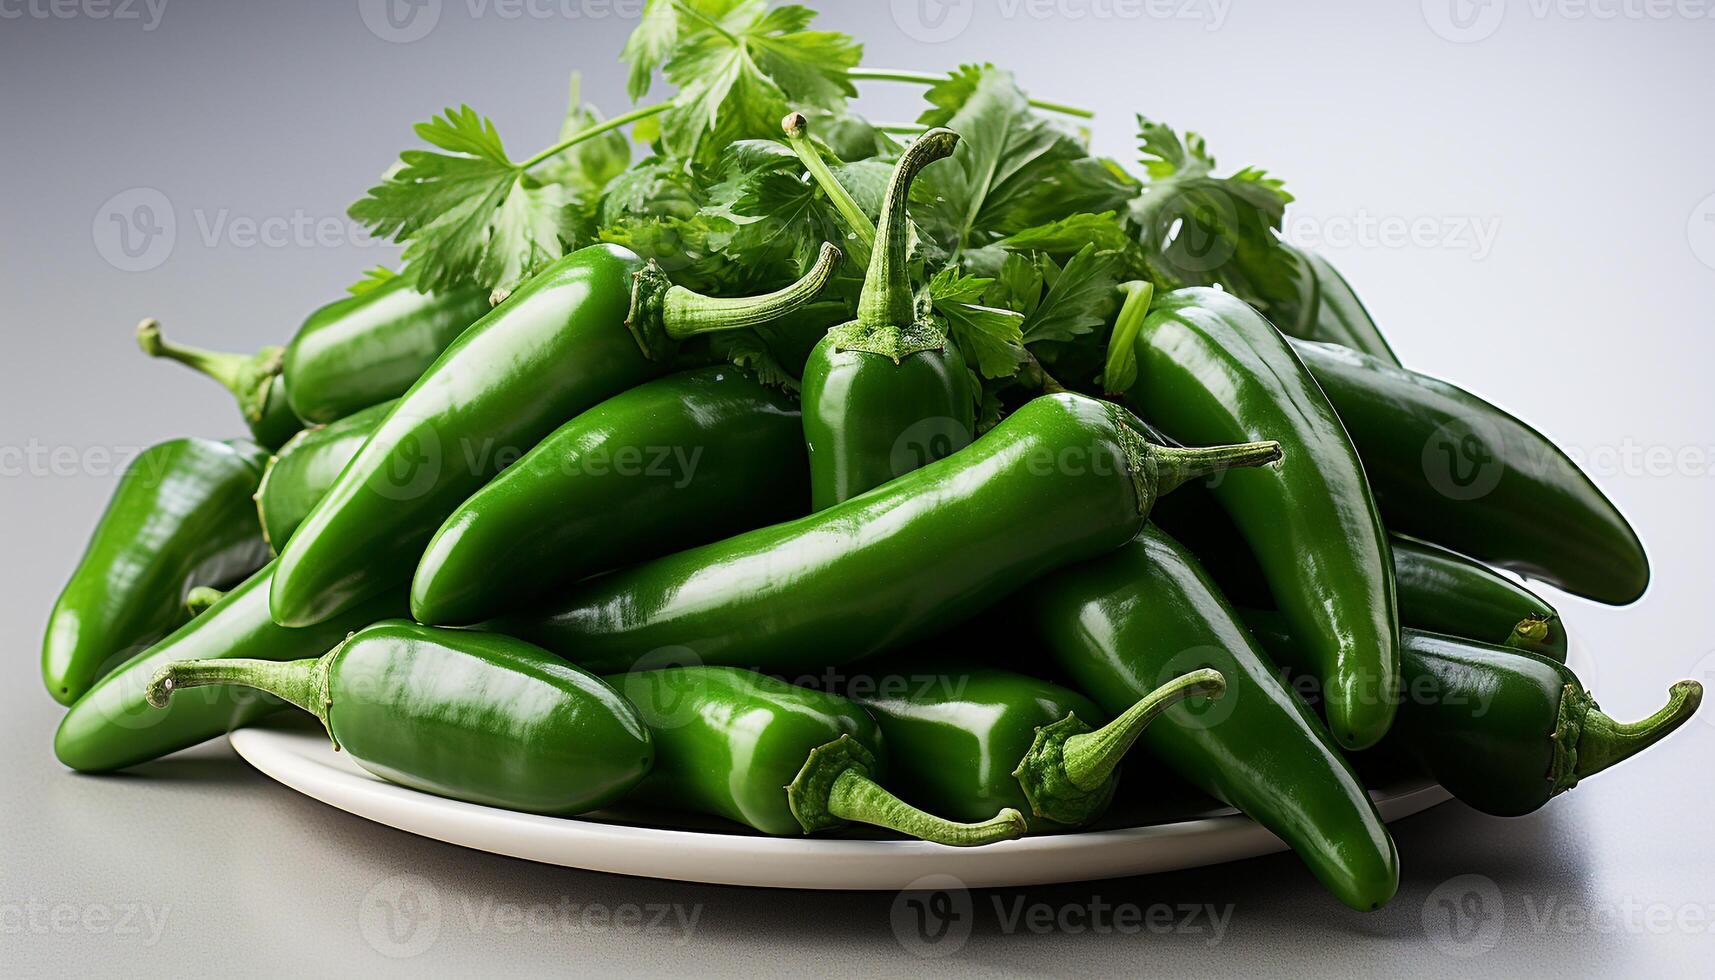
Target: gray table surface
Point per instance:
(1521, 192)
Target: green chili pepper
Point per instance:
(781, 759)
(1063, 479)
(472, 716)
(113, 726)
(370, 348)
(1211, 369)
(1438, 590)
(302, 470)
(254, 380)
(966, 742)
(673, 463)
(886, 393)
(1125, 623)
(1325, 308)
(1503, 730)
(1451, 468)
(179, 518)
(1444, 592)
(591, 325)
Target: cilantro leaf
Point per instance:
(1012, 169)
(990, 338)
(372, 279)
(740, 66)
(469, 215)
(1081, 299)
(1066, 236)
(1199, 229)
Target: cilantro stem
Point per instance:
(899, 129)
(933, 78)
(593, 131)
(797, 129)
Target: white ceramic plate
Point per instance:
(302, 758)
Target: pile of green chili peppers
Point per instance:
(554, 555)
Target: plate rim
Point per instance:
(745, 860)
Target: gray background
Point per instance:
(1580, 141)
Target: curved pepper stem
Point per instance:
(300, 682)
(662, 314)
(1067, 775)
(835, 788)
(887, 299)
(248, 377)
(797, 129)
(1602, 741)
(199, 599)
(859, 799)
(1176, 467)
(1090, 759)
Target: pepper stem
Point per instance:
(1121, 369)
(300, 682)
(248, 377)
(856, 797)
(797, 129)
(199, 599)
(663, 314)
(1091, 758)
(887, 299)
(1067, 774)
(1176, 467)
(834, 787)
(1602, 742)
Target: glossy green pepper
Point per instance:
(781, 759)
(1438, 590)
(691, 458)
(966, 742)
(372, 347)
(113, 726)
(302, 470)
(1503, 730)
(179, 518)
(591, 325)
(471, 716)
(1123, 624)
(1325, 308)
(1063, 479)
(886, 393)
(1211, 369)
(1444, 592)
(1451, 468)
(253, 379)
